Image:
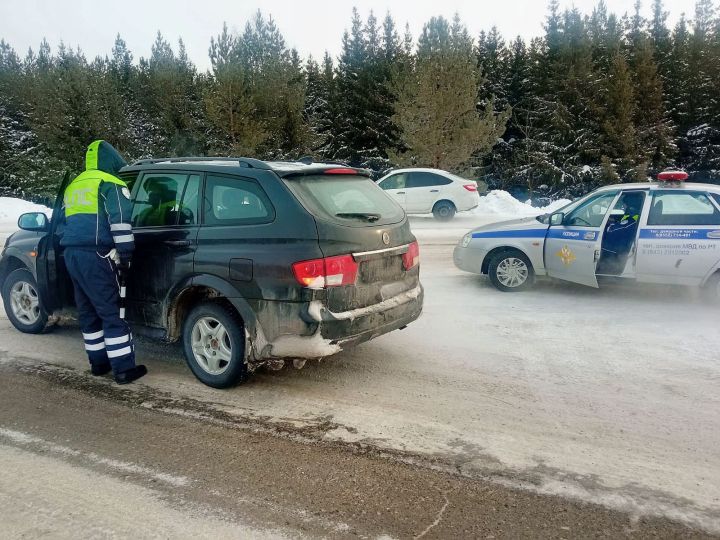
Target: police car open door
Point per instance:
(572, 249)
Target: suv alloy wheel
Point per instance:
(22, 303)
(214, 345)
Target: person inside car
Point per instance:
(620, 233)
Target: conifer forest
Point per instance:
(598, 98)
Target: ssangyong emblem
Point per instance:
(386, 238)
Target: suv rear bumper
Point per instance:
(328, 332)
(359, 325)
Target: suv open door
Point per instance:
(55, 287)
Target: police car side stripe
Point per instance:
(527, 233)
(680, 234)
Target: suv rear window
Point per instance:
(345, 199)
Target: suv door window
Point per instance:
(234, 201)
(426, 179)
(157, 200)
(189, 205)
(592, 212)
(682, 208)
(396, 181)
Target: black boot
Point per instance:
(132, 374)
(100, 369)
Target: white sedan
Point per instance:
(661, 232)
(425, 191)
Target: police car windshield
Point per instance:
(545, 218)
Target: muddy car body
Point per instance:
(301, 259)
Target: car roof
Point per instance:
(238, 164)
(662, 185)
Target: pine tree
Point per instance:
(618, 128)
(493, 62)
(170, 96)
(660, 36)
(700, 143)
(441, 124)
(655, 134)
(366, 130)
(227, 99)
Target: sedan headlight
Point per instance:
(466, 240)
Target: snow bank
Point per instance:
(11, 209)
(502, 203)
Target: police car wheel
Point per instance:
(511, 271)
(22, 302)
(214, 345)
(713, 288)
(444, 211)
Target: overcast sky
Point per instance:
(310, 26)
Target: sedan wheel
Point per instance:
(512, 272)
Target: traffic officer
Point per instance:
(620, 235)
(98, 241)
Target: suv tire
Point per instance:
(444, 211)
(214, 345)
(22, 302)
(511, 271)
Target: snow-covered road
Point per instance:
(606, 395)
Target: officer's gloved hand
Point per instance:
(114, 256)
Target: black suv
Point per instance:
(249, 262)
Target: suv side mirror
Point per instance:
(34, 221)
(557, 218)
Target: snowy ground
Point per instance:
(604, 395)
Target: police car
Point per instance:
(661, 232)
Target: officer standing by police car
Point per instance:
(98, 241)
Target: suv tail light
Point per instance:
(412, 257)
(470, 187)
(327, 272)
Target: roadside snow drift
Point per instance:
(502, 203)
(11, 209)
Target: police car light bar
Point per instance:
(673, 176)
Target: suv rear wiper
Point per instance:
(362, 215)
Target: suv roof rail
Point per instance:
(242, 161)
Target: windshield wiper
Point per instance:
(362, 215)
